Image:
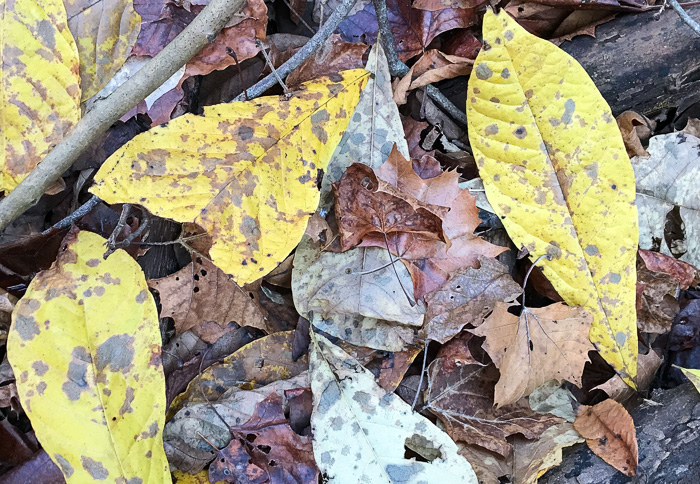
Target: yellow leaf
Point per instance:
(85, 347)
(244, 171)
(691, 374)
(39, 84)
(555, 170)
(105, 32)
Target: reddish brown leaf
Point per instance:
(684, 273)
(656, 297)
(233, 464)
(414, 130)
(430, 262)
(434, 5)
(462, 43)
(609, 432)
(334, 55)
(201, 298)
(366, 205)
(433, 66)
(457, 352)
(463, 400)
(466, 298)
(628, 122)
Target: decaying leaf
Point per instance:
(245, 171)
(361, 432)
(433, 66)
(462, 399)
(467, 297)
(356, 296)
(609, 432)
(332, 56)
(631, 124)
(684, 273)
(555, 170)
(543, 344)
(40, 85)
(256, 364)
(620, 391)
(85, 340)
(657, 302)
(105, 32)
(488, 466)
(431, 261)
(531, 458)
(202, 298)
(667, 179)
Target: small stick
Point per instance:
(232, 53)
(422, 372)
(684, 16)
(291, 9)
(83, 210)
(272, 67)
(527, 276)
(143, 223)
(112, 240)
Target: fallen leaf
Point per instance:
(366, 206)
(413, 29)
(564, 186)
(488, 466)
(329, 6)
(40, 85)
(105, 32)
(532, 458)
(458, 352)
(332, 56)
(609, 432)
(226, 170)
(657, 302)
(436, 5)
(618, 390)
(462, 43)
(466, 298)
(553, 397)
(684, 273)
(630, 124)
(691, 374)
(692, 127)
(200, 297)
(667, 179)
(256, 364)
(431, 261)
(463, 401)
(85, 339)
(433, 66)
(355, 417)
(543, 344)
(356, 296)
(267, 442)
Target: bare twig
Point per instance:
(112, 240)
(684, 16)
(527, 276)
(422, 372)
(201, 31)
(398, 68)
(271, 66)
(305, 52)
(83, 210)
(301, 19)
(232, 53)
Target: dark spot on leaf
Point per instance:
(117, 352)
(94, 468)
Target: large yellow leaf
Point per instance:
(105, 31)
(555, 169)
(39, 84)
(85, 348)
(245, 171)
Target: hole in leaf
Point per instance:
(250, 438)
(265, 449)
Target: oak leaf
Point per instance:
(85, 339)
(462, 398)
(610, 433)
(245, 171)
(556, 171)
(40, 87)
(200, 297)
(543, 344)
(354, 417)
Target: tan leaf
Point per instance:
(542, 344)
(656, 299)
(609, 432)
(620, 391)
(433, 66)
(630, 124)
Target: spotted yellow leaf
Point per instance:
(105, 31)
(244, 171)
(555, 170)
(691, 374)
(85, 349)
(39, 84)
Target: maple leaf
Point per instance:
(543, 344)
(366, 206)
(431, 261)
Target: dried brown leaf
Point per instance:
(610, 433)
(630, 124)
(334, 55)
(433, 66)
(620, 391)
(684, 273)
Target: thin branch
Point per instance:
(200, 32)
(398, 68)
(684, 16)
(422, 372)
(271, 66)
(83, 210)
(301, 19)
(305, 52)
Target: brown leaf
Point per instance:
(462, 43)
(366, 205)
(692, 127)
(656, 299)
(463, 400)
(620, 391)
(543, 344)
(466, 298)
(433, 66)
(300, 401)
(457, 352)
(434, 5)
(414, 130)
(429, 261)
(201, 298)
(334, 55)
(609, 432)
(684, 273)
(629, 122)
(488, 466)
